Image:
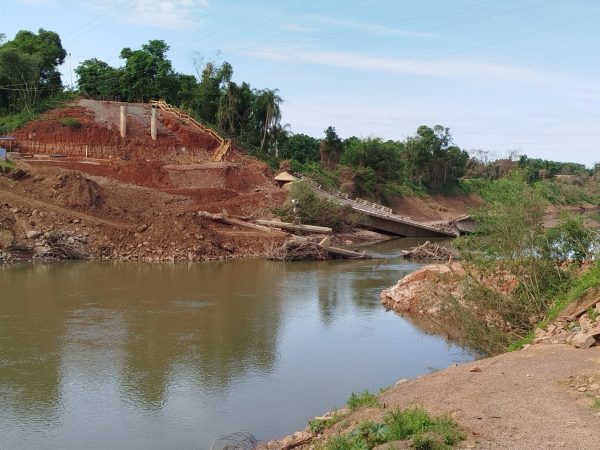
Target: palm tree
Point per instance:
(268, 112)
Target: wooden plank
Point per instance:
(241, 223)
(294, 227)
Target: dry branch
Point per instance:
(432, 251)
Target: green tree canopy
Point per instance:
(301, 147)
(29, 68)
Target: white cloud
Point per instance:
(154, 13)
(367, 62)
(350, 24)
(483, 72)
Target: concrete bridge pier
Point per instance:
(153, 123)
(123, 121)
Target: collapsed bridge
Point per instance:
(381, 218)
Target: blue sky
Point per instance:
(503, 75)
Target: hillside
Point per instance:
(132, 197)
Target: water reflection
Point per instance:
(193, 351)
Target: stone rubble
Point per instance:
(581, 333)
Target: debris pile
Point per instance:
(61, 245)
(298, 250)
(433, 251)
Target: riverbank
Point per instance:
(134, 212)
(541, 397)
(513, 400)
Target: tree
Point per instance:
(29, 65)
(384, 158)
(148, 74)
(214, 82)
(268, 114)
(97, 79)
(301, 147)
(331, 148)
(431, 157)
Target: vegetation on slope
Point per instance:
(372, 168)
(531, 266)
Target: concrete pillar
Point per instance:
(153, 124)
(123, 121)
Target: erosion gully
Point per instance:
(126, 355)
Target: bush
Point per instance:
(313, 210)
(427, 433)
(367, 399)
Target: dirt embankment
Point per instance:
(116, 219)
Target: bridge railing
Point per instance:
(368, 207)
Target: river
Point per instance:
(126, 355)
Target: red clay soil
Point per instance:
(94, 125)
(133, 198)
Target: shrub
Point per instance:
(313, 210)
(426, 432)
(356, 401)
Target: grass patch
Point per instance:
(70, 122)
(6, 164)
(320, 424)
(589, 279)
(426, 432)
(366, 399)
(596, 403)
(13, 120)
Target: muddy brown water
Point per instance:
(123, 355)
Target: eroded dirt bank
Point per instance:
(126, 212)
(138, 210)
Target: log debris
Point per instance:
(294, 227)
(236, 222)
(432, 251)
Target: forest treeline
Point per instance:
(427, 162)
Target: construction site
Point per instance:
(143, 181)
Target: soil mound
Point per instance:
(74, 190)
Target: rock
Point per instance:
(76, 220)
(475, 369)
(559, 338)
(32, 234)
(585, 322)
(582, 389)
(551, 328)
(539, 333)
(594, 387)
(583, 340)
(142, 228)
(541, 340)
